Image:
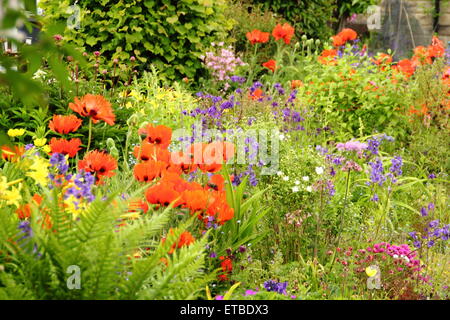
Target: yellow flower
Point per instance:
(11, 196)
(129, 105)
(16, 132)
(46, 148)
(40, 142)
(39, 171)
(371, 272)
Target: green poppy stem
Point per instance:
(90, 135)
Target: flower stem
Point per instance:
(90, 135)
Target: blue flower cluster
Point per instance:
(273, 286)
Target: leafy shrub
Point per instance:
(312, 17)
(170, 34)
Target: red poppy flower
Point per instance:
(149, 151)
(148, 171)
(70, 147)
(285, 32)
(64, 124)
(94, 106)
(257, 36)
(271, 65)
(13, 154)
(159, 135)
(99, 163)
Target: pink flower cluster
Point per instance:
(352, 146)
(402, 252)
(223, 62)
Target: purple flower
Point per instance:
(376, 173)
(273, 286)
(396, 166)
(423, 212)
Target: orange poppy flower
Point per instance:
(216, 183)
(99, 163)
(94, 106)
(196, 200)
(66, 147)
(24, 211)
(148, 171)
(163, 194)
(296, 84)
(285, 32)
(382, 59)
(436, 49)
(348, 34)
(257, 36)
(183, 160)
(219, 208)
(64, 124)
(159, 135)
(271, 65)
(405, 66)
(137, 205)
(257, 94)
(148, 151)
(338, 41)
(328, 57)
(13, 154)
(185, 240)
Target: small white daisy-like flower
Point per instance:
(309, 188)
(319, 170)
(286, 178)
(295, 189)
(282, 136)
(297, 182)
(305, 178)
(279, 173)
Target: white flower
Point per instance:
(305, 178)
(309, 188)
(297, 182)
(295, 189)
(286, 178)
(279, 173)
(319, 170)
(282, 137)
(395, 256)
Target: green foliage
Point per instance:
(169, 34)
(36, 267)
(310, 17)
